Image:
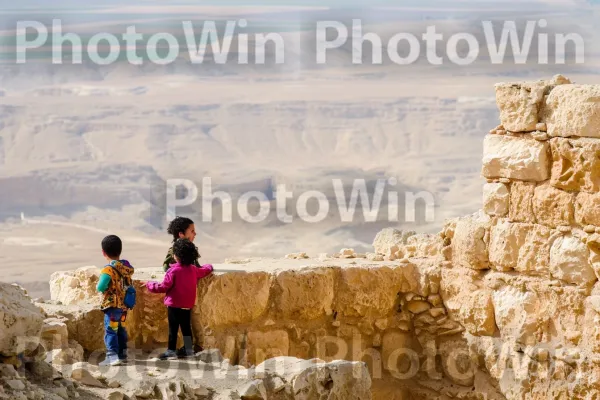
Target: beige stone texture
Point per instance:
(468, 301)
(389, 240)
(573, 110)
(535, 311)
(587, 209)
(234, 298)
(521, 202)
(520, 103)
(496, 199)
(55, 333)
(576, 165)
(315, 379)
(456, 361)
(75, 287)
(516, 157)
(593, 245)
(21, 321)
(470, 242)
(516, 314)
(371, 292)
(264, 345)
(84, 323)
(553, 207)
(521, 247)
(305, 295)
(570, 261)
(394, 244)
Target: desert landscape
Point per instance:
(88, 149)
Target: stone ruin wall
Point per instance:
(504, 303)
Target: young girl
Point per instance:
(180, 228)
(180, 284)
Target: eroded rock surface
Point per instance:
(20, 321)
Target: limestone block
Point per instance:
(422, 245)
(54, 334)
(495, 199)
(569, 261)
(521, 158)
(591, 326)
(553, 207)
(264, 345)
(507, 368)
(20, 321)
(469, 245)
(467, 302)
(576, 165)
(315, 379)
(521, 202)
(388, 241)
(369, 291)
(75, 287)
(82, 373)
(593, 244)
(84, 324)
(518, 246)
(456, 361)
(305, 295)
(519, 104)
(235, 298)
(425, 273)
(397, 352)
(70, 354)
(254, 390)
(587, 209)
(517, 314)
(573, 110)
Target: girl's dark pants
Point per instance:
(180, 318)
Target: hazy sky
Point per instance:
(46, 4)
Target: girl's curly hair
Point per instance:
(179, 225)
(186, 251)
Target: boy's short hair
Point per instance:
(112, 246)
(186, 251)
(179, 225)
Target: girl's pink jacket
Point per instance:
(180, 284)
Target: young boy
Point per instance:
(111, 284)
(180, 228)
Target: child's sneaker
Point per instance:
(110, 362)
(168, 355)
(183, 353)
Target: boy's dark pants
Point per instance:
(180, 318)
(115, 335)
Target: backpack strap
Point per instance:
(118, 273)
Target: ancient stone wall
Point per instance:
(524, 276)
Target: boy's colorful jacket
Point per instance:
(170, 260)
(111, 284)
(180, 284)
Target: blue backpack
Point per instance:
(130, 293)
